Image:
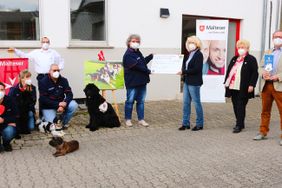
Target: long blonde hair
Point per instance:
(23, 74)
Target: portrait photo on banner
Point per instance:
(214, 52)
(106, 75)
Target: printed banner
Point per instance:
(214, 36)
(104, 74)
(10, 69)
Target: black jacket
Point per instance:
(249, 75)
(136, 72)
(193, 75)
(51, 93)
(9, 114)
(23, 99)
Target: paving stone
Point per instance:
(157, 156)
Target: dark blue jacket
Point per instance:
(136, 72)
(51, 93)
(23, 98)
(9, 114)
(193, 75)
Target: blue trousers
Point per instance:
(8, 133)
(192, 94)
(50, 114)
(137, 94)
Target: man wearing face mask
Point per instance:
(240, 81)
(42, 58)
(7, 120)
(271, 86)
(136, 77)
(56, 96)
(24, 96)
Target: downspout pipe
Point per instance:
(263, 36)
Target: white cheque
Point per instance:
(166, 64)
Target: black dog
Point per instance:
(101, 112)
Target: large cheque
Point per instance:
(166, 64)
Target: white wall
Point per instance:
(158, 35)
(166, 33)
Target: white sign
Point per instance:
(214, 36)
(166, 64)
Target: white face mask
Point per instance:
(191, 47)
(45, 46)
(241, 51)
(2, 94)
(134, 45)
(277, 41)
(56, 74)
(28, 82)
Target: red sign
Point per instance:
(10, 69)
(202, 28)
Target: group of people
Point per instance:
(17, 109)
(240, 81)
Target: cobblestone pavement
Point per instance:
(157, 156)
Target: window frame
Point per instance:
(25, 43)
(89, 43)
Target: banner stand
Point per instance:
(114, 99)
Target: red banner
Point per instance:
(10, 69)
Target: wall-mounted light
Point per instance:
(164, 13)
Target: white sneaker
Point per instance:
(128, 123)
(66, 126)
(260, 137)
(143, 123)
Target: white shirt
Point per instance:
(42, 59)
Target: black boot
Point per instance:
(8, 147)
(237, 129)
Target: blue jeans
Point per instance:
(8, 133)
(137, 94)
(192, 93)
(50, 114)
(31, 122)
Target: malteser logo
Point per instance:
(202, 28)
(211, 28)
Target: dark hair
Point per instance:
(2, 84)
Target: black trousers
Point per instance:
(39, 77)
(239, 107)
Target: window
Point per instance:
(19, 20)
(88, 20)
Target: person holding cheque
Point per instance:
(136, 77)
(240, 81)
(193, 79)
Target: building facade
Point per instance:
(79, 29)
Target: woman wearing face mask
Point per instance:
(193, 79)
(240, 81)
(136, 77)
(24, 96)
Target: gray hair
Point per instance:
(132, 36)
